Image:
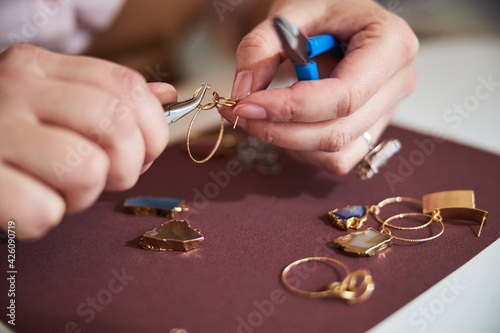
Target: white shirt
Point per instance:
(66, 26)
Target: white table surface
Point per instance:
(449, 73)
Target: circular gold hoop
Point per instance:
(434, 217)
(217, 144)
(354, 293)
(375, 210)
(226, 101)
(347, 289)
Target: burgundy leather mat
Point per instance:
(89, 273)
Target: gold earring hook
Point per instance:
(216, 102)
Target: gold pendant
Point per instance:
(349, 217)
(174, 235)
(455, 205)
(364, 243)
(154, 206)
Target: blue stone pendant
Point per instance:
(349, 217)
(154, 206)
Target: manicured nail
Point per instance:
(146, 167)
(250, 111)
(242, 84)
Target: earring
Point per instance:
(370, 241)
(455, 205)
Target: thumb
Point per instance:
(165, 92)
(257, 59)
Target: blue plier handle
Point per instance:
(300, 49)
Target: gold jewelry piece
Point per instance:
(216, 102)
(363, 243)
(375, 210)
(434, 217)
(455, 205)
(349, 217)
(370, 241)
(353, 217)
(174, 235)
(376, 158)
(154, 206)
(354, 288)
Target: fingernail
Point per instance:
(242, 84)
(146, 167)
(250, 111)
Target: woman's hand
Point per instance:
(321, 122)
(71, 127)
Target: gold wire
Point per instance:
(216, 102)
(310, 294)
(236, 122)
(375, 210)
(226, 101)
(217, 144)
(434, 217)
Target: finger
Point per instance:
(227, 113)
(165, 93)
(341, 162)
(127, 85)
(31, 204)
(333, 135)
(354, 80)
(257, 59)
(62, 160)
(108, 122)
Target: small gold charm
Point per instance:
(364, 243)
(349, 217)
(455, 205)
(174, 235)
(154, 206)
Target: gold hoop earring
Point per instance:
(370, 241)
(434, 217)
(217, 144)
(375, 210)
(216, 102)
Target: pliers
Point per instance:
(300, 49)
(176, 111)
(296, 46)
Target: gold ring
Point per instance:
(349, 288)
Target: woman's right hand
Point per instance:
(71, 127)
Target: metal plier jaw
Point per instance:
(300, 49)
(176, 111)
